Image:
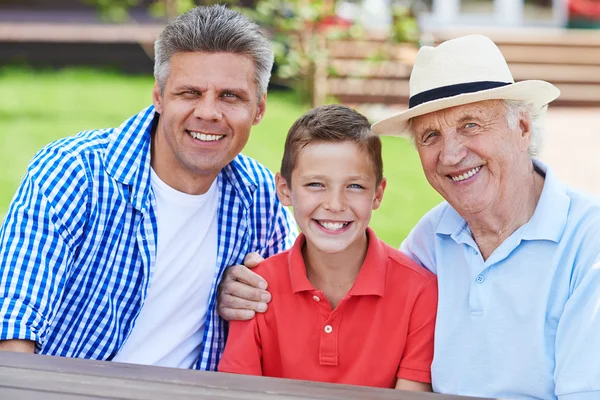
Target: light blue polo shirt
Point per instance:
(525, 323)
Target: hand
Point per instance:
(242, 293)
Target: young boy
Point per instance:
(346, 307)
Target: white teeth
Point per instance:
(205, 138)
(333, 226)
(466, 175)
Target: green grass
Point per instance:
(39, 107)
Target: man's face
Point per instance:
(333, 193)
(471, 156)
(207, 109)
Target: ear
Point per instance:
(525, 130)
(157, 98)
(283, 190)
(260, 111)
(379, 194)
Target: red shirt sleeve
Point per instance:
(415, 364)
(243, 350)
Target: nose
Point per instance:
(336, 201)
(453, 150)
(207, 108)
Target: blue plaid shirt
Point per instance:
(78, 244)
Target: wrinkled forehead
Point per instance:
(482, 110)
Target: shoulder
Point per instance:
(73, 148)
(67, 161)
(275, 270)
(274, 267)
(582, 230)
(431, 220)
(253, 171)
(401, 264)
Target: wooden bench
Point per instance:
(30, 376)
(372, 70)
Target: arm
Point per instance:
(243, 350)
(577, 372)
(414, 372)
(405, 384)
(35, 247)
(19, 346)
(242, 293)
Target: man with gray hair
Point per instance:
(517, 254)
(116, 241)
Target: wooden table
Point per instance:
(29, 376)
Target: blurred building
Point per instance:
(443, 14)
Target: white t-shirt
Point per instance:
(168, 331)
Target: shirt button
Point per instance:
(316, 298)
(480, 279)
(328, 329)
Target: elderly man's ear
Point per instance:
(525, 130)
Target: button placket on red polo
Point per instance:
(329, 327)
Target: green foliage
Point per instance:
(113, 10)
(405, 28)
(299, 29)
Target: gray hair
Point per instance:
(514, 109)
(213, 29)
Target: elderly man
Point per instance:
(115, 242)
(516, 253)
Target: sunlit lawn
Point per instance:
(37, 108)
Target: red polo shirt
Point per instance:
(381, 330)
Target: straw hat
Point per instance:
(461, 71)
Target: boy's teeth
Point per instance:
(204, 137)
(333, 226)
(466, 175)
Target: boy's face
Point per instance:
(333, 193)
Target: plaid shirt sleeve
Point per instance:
(37, 243)
(284, 231)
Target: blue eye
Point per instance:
(356, 186)
(430, 135)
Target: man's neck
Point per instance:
(166, 167)
(492, 227)
(334, 274)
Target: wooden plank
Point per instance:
(34, 376)
(77, 33)
(361, 49)
(367, 87)
(562, 73)
(526, 36)
(370, 69)
(583, 93)
(550, 55)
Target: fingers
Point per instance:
(242, 294)
(242, 274)
(252, 260)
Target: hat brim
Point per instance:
(540, 93)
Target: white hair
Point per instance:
(214, 29)
(514, 110)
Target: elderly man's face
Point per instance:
(471, 155)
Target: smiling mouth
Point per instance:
(203, 137)
(333, 226)
(466, 175)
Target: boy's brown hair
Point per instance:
(331, 123)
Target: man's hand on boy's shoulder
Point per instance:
(242, 293)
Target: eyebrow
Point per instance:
(325, 177)
(238, 91)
